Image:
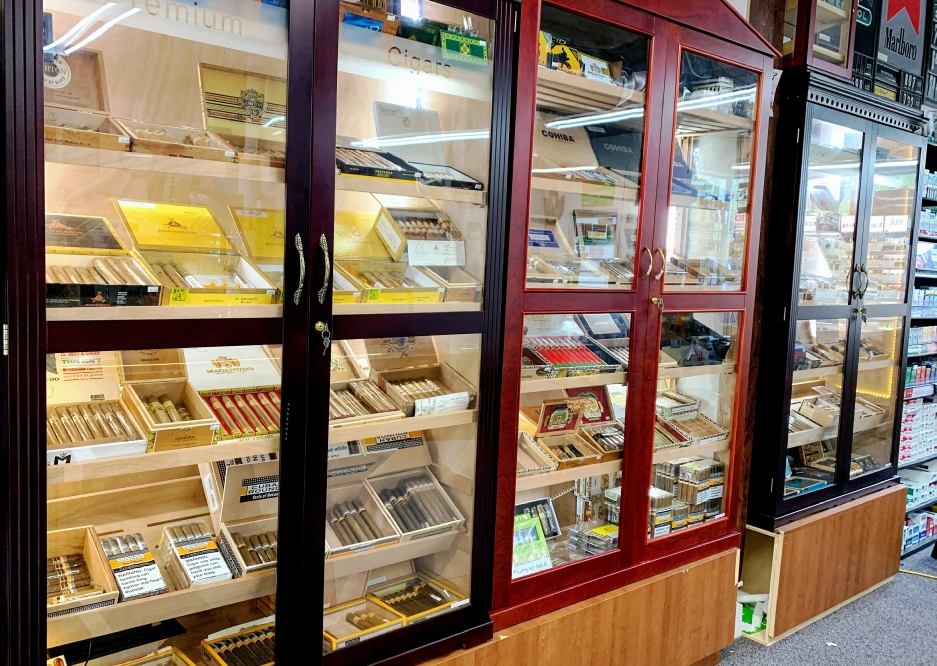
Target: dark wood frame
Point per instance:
(803, 97)
(803, 41)
(310, 177)
(670, 28)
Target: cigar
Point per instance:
(358, 527)
(366, 517)
(243, 425)
(71, 274)
(79, 422)
(156, 408)
(130, 270)
(66, 421)
(111, 418)
(341, 531)
(189, 278)
(57, 428)
(174, 276)
(269, 424)
(170, 408)
(161, 276)
(226, 419)
(51, 438)
(252, 418)
(96, 429)
(272, 410)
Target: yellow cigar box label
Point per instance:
(263, 230)
(346, 297)
(193, 297)
(355, 237)
(130, 560)
(172, 226)
(197, 547)
(605, 530)
(414, 296)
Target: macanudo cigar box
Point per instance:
(185, 248)
(354, 521)
(76, 103)
(188, 142)
(247, 110)
(408, 370)
(78, 578)
(87, 265)
(414, 595)
(425, 235)
(88, 410)
(598, 425)
(555, 427)
(164, 402)
(263, 231)
(415, 503)
(169, 656)
(251, 643)
(572, 355)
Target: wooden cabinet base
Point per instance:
(652, 622)
(814, 566)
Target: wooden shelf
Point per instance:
(625, 191)
(129, 614)
(827, 370)
(363, 431)
(408, 188)
(352, 563)
(835, 56)
(695, 371)
(828, 15)
(665, 455)
(129, 161)
(407, 308)
(165, 312)
(796, 439)
(147, 462)
(566, 475)
(537, 385)
(573, 94)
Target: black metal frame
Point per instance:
(807, 96)
(313, 47)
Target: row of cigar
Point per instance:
(427, 229)
(416, 389)
(352, 523)
(87, 422)
(246, 414)
(412, 600)
(67, 579)
(191, 531)
(548, 524)
(562, 351)
(256, 549)
(359, 399)
(365, 159)
(609, 438)
(387, 279)
(120, 545)
(566, 451)
(172, 276)
(415, 504)
(103, 270)
(164, 410)
(255, 648)
(618, 269)
(364, 620)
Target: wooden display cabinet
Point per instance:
(639, 247)
(841, 241)
(820, 33)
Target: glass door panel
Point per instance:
(152, 203)
(401, 477)
(695, 411)
(816, 404)
(586, 175)
(412, 153)
(831, 31)
(877, 390)
(826, 263)
(707, 222)
(894, 197)
(574, 387)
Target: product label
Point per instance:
(137, 575)
(265, 487)
(388, 234)
(202, 561)
(452, 402)
(542, 238)
(436, 253)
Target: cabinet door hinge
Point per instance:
(798, 136)
(516, 15)
(784, 318)
(772, 486)
(6, 340)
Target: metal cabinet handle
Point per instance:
(324, 244)
(298, 242)
(863, 286)
(650, 263)
(663, 264)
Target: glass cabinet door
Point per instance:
(708, 219)
(834, 164)
(694, 421)
(831, 34)
(588, 154)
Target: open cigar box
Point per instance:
(353, 398)
(555, 427)
(355, 522)
(420, 236)
(531, 458)
(263, 232)
(598, 425)
(346, 622)
(414, 595)
(187, 142)
(249, 643)
(65, 550)
(415, 503)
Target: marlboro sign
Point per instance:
(901, 35)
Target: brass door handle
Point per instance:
(324, 245)
(663, 264)
(659, 302)
(650, 263)
(298, 242)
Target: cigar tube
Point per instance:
(66, 422)
(265, 418)
(79, 423)
(80, 593)
(356, 527)
(365, 515)
(118, 270)
(390, 504)
(111, 418)
(233, 411)
(96, 429)
(84, 274)
(51, 438)
(130, 268)
(226, 419)
(58, 274)
(170, 408)
(272, 410)
(124, 421)
(249, 414)
(340, 530)
(161, 275)
(157, 410)
(57, 427)
(189, 278)
(71, 274)
(174, 276)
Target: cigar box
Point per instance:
(427, 596)
(531, 458)
(191, 555)
(263, 232)
(867, 410)
(666, 436)
(544, 511)
(189, 239)
(434, 513)
(439, 175)
(247, 110)
(557, 433)
(352, 461)
(90, 379)
(674, 405)
(354, 237)
(373, 163)
(534, 366)
(76, 103)
(698, 429)
(820, 411)
(345, 288)
(339, 631)
(346, 531)
(550, 255)
(215, 648)
(598, 425)
(460, 286)
(345, 363)
(397, 360)
(162, 372)
(188, 142)
(545, 239)
(420, 236)
(74, 241)
(370, 18)
(168, 656)
(82, 541)
(354, 392)
(368, 275)
(593, 359)
(248, 507)
(237, 385)
(596, 232)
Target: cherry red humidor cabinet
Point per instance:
(634, 227)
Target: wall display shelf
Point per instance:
(631, 264)
(211, 297)
(830, 396)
